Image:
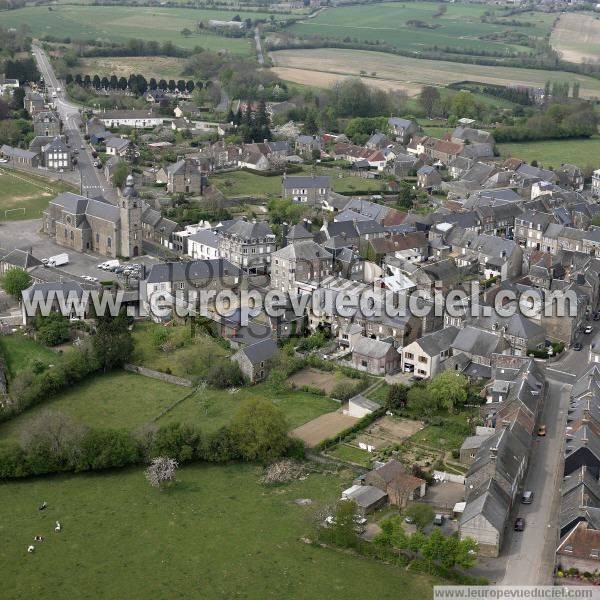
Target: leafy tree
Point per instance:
(172, 85)
(260, 429)
(421, 513)
(120, 173)
(449, 389)
(397, 396)
(15, 281)
(429, 99)
(464, 105)
(342, 531)
(53, 329)
(420, 401)
(112, 342)
(434, 548)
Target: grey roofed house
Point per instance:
(11, 152)
(345, 229)
(372, 348)
(298, 232)
(580, 500)
(117, 143)
(306, 181)
(365, 228)
(22, 259)
(476, 136)
(530, 172)
(438, 341)
(478, 342)
(516, 325)
(365, 403)
(188, 270)
(366, 496)
(478, 150)
(303, 250)
(351, 215)
(246, 230)
(43, 290)
(206, 237)
(260, 351)
(491, 501)
(372, 210)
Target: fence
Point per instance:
(445, 476)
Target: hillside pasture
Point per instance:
(577, 37)
(159, 67)
(399, 72)
(218, 533)
(460, 27)
(121, 23)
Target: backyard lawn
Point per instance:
(25, 196)
(183, 356)
(20, 351)
(114, 400)
(218, 533)
(211, 409)
(449, 435)
(243, 183)
(352, 454)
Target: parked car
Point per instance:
(438, 519)
(588, 330)
(577, 346)
(409, 520)
(520, 524)
(527, 497)
(596, 316)
(542, 430)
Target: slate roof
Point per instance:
(206, 237)
(491, 502)
(365, 403)
(372, 348)
(298, 232)
(260, 351)
(21, 258)
(306, 181)
(189, 270)
(302, 250)
(476, 342)
(246, 230)
(438, 341)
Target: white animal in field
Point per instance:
(58, 527)
(30, 549)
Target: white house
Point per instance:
(203, 245)
(138, 119)
(360, 407)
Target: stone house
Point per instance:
(17, 156)
(56, 155)
(46, 123)
(117, 146)
(375, 356)
(248, 244)
(254, 360)
(429, 178)
(402, 129)
(400, 486)
(307, 189)
(18, 259)
(184, 177)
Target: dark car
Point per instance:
(520, 524)
(577, 347)
(596, 317)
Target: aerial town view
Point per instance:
(299, 299)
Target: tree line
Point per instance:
(136, 84)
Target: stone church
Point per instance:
(90, 225)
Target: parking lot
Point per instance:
(27, 234)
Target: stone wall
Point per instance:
(158, 375)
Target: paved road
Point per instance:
(259, 51)
(530, 554)
(92, 181)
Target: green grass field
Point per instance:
(117, 400)
(211, 409)
(352, 454)
(20, 190)
(187, 358)
(120, 23)
(217, 534)
(459, 27)
(20, 351)
(243, 183)
(552, 153)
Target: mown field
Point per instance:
(121, 23)
(159, 67)
(552, 153)
(577, 37)
(218, 533)
(244, 183)
(24, 191)
(324, 66)
(460, 27)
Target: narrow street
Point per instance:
(92, 182)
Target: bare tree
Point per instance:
(161, 471)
